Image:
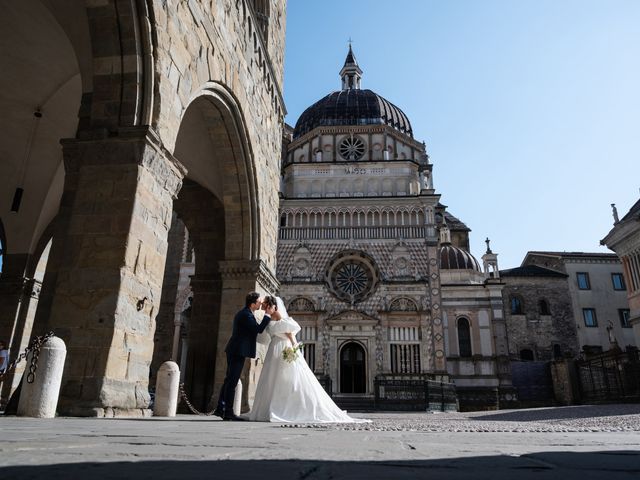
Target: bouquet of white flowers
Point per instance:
(289, 354)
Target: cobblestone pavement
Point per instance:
(581, 443)
(603, 418)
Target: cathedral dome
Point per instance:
(454, 258)
(352, 106)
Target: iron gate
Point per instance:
(533, 382)
(414, 393)
(611, 376)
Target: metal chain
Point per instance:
(35, 346)
(190, 406)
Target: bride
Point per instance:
(289, 391)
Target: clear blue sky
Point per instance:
(530, 108)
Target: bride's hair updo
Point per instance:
(270, 300)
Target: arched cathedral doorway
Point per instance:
(353, 376)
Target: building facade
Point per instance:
(116, 116)
(539, 314)
(624, 239)
(598, 294)
(377, 270)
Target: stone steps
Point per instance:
(355, 403)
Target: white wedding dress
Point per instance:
(290, 392)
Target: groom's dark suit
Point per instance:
(241, 345)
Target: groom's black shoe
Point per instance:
(218, 413)
(232, 418)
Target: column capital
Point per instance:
(249, 270)
(131, 145)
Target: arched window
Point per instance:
(526, 355)
(464, 337)
(517, 308)
(543, 307)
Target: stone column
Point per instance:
(109, 279)
(239, 277)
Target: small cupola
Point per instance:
(351, 73)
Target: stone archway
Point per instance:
(214, 147)
(203, 215)
(218, 205)
(117, 179)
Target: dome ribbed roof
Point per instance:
(352, 107)
(454, 258)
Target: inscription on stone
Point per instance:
(355, 170)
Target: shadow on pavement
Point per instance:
(540, 466)
(560, 413)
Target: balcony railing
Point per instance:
(357, 233)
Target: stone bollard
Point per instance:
(40, 398)
(237, 399)
(167, 383)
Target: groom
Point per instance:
(242, 344)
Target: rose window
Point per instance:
(352, 148)
(352, 276)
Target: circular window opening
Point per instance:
(352, 148)
(352, 277)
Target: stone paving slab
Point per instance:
(566, 443)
